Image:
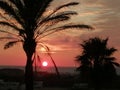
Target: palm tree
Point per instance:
(97, 60)
(28, 23)
(84, 68)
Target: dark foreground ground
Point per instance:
(51, 81)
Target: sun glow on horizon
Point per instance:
(45, 64)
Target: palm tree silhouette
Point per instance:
(96, 61)
(28, 23)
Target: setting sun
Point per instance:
(44, 63)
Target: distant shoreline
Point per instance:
(51, 69)
(62, 69)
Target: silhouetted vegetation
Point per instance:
(48, 79)
(16, 75)
(97, 65)
(27, 23)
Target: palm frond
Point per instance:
(10, 25)
(105, 41)
(67, 5)
(116, 64)
(49, 54)
(10, 44)
(60, 7)
(6, 38)
(4, 17)
(44, 46)
(67, 13)
(110, 58)
(65, 27)
(10, 10)
(79, 26)
(43, 4)
(37, 7)
(63, 6)
(75, 26)
(8, 33)
(51, 22)
(110, 51)
(18, 4)
(36, 59)
(59, 16)
(55, 19)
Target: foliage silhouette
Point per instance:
(96, 62)
(27, 22)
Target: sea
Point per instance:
(70, 70)
(64, 70)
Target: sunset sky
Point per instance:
(103, 15)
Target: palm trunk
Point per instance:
(29, 75)
(29, 48)
(97, 73)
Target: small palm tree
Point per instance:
(96, 59)
(27, 22)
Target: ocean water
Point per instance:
(71, 70)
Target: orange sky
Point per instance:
(104, 15)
